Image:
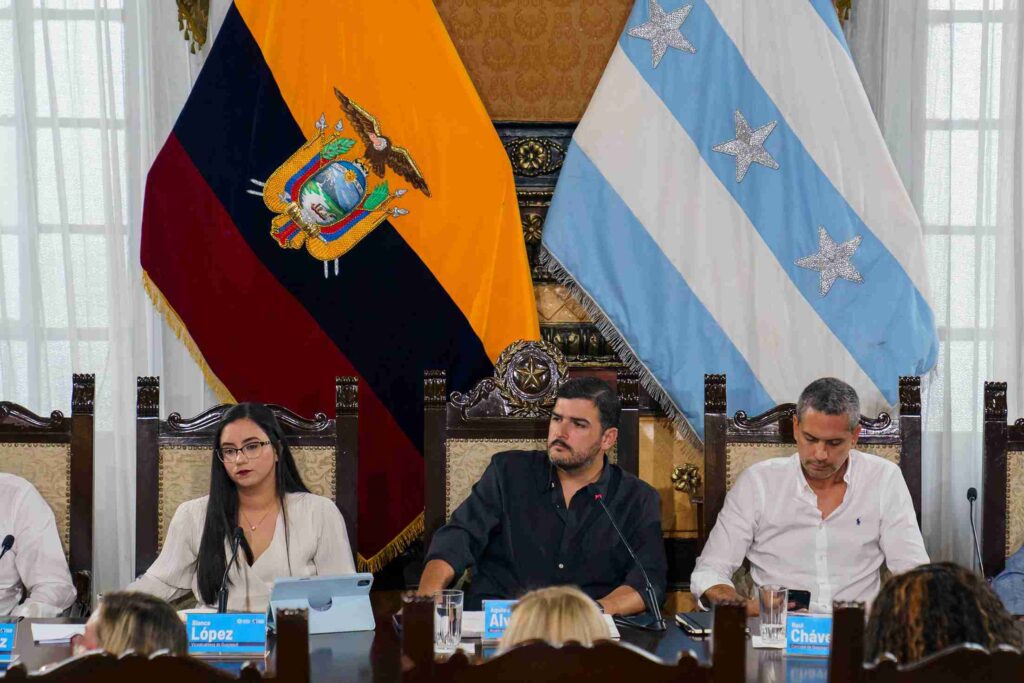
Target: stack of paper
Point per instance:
(55, 634)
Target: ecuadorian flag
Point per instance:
(334, 200)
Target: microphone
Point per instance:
(650, 598)
(237, 538)
(6, 545)
(972, 495)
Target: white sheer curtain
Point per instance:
(89, 90)
(945, 80)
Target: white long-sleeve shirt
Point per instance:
(317, 545)
(771, 517)
(35, 565)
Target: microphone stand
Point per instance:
(972, 495)
(222, 594)
(650, 598)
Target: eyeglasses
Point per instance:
(251, 451)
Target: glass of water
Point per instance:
(774, 602)
(447, 621)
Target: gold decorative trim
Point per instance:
(163, 306)
(194, 18)
(393, 549)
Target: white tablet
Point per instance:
(336, 604)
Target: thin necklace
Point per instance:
(252, 527)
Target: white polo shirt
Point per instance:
(35, 564)
(771, 517)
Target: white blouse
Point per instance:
(317, 545)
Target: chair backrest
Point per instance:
(173, 460)
(605, 661)
(965, 662)
(731, 444)
(509, 411)
(55, 454)
(1003, 475)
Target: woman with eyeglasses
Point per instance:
(254, 485)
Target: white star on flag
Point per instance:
(748, 147)
(832, 261)
(663, 30)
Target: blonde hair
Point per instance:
(558, 614)
(139, 622)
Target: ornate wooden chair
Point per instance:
(605, 661)
(731, 444)
(506, 412)
(173, 460)
(291, 663)
(55, 454)
(1003, 475)
(966, 662)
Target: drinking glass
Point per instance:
(774, 602)
(447, 621)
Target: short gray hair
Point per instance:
(830, 396)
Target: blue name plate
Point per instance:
(496, 617)
(8, 632)
(233, 634)
(808, 634)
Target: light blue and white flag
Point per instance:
(728, 205)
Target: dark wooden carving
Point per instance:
(581, 343)
(967, 662)
(513, 404)
(18, 424)
(339, 433)
(775, 426)
(997, 440)
(147, 403)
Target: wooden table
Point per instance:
(374, 655)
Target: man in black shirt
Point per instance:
(532, 520)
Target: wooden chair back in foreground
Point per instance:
(965, 662)
(55, 454)
(731, 444)
(605, 661)
(291, 663)
(1003, 473)
(173, 460)
(509, 411)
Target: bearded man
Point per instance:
(533, 519)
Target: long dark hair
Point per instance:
(222, 511)
(934, 607)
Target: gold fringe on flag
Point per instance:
(843, 8)
(393, 549)
(174, 321)
(194, 17)
(373, 564)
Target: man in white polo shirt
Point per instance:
(822, 520)
(34, 576)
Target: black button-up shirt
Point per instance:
(516, 533)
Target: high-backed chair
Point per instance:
(731, 444)
(967, 662)
(1003, 475)
(55, 454)
(173, 460)
(508, 411)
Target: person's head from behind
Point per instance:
(934, 607)
(557, 615)
(138, 622)
(249, 455)
(826, 426)
(584, 423)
